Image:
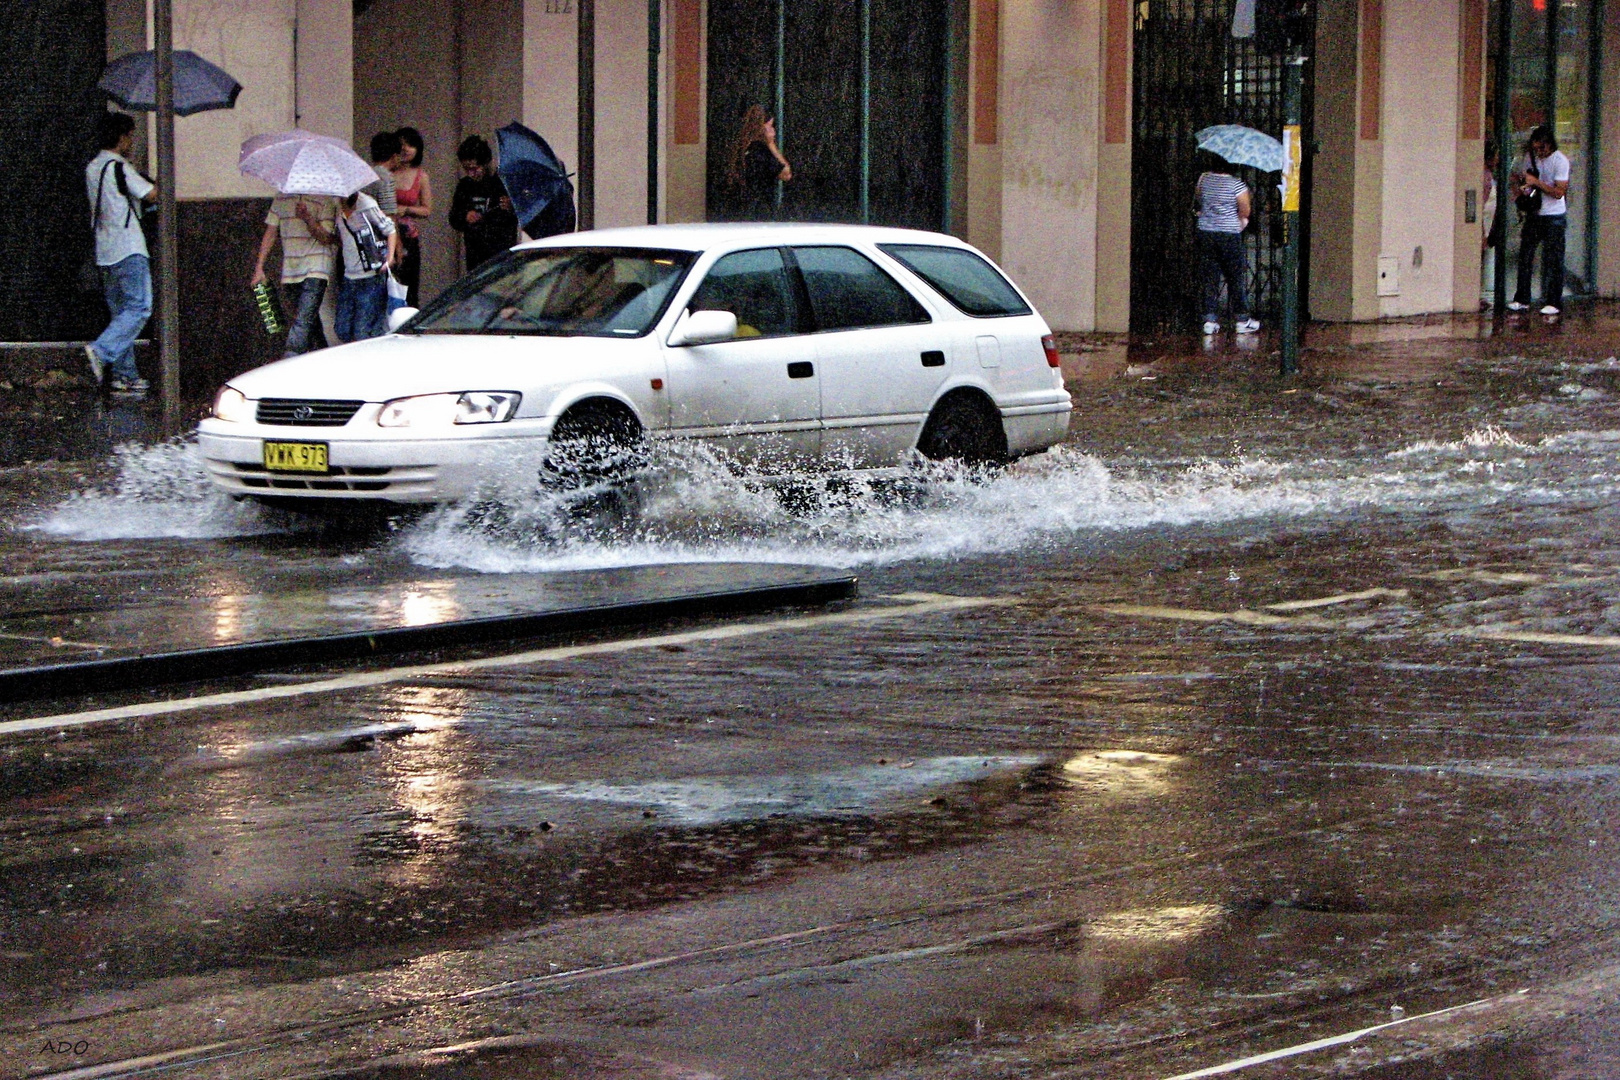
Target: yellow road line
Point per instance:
(914, 604)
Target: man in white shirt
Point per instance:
(116, 190)
(307, 226)
(1544, 170)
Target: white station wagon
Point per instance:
(856, 346)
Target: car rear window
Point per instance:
(595, 292)
(974, 286)
(848, 290)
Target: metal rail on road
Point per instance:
(244, 658)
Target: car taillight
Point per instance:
(1051, 351)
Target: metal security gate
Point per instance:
(1190, 73)
(858, 90)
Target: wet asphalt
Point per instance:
(1257, 763)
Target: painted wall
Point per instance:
(1332, 269)
(1049, 105)
(550, 74)
(1420, 152)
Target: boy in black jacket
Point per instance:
(480, 209)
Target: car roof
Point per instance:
(704, 236)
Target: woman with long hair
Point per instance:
(756, 166)
(413, 193)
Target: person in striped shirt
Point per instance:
(1223, 205)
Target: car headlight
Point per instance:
(232, 405)
(437, 410)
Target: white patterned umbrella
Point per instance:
(1243, 146)
(303, 163)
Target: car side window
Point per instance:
(754, 286)
(848, 290)
(967, 281)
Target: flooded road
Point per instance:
(1253, 718)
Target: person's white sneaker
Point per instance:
(1550, 310)
(1212, 327)
(1248, 326)
(1514, 305)
(96, 369)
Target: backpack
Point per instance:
(369, 241)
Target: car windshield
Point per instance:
(594, 292)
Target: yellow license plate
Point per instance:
(295, 457)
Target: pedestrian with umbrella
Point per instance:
(310, 172)
(1224, 206)
(118, 192)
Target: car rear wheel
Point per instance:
(964, 427)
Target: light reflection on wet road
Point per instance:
(1161, 811)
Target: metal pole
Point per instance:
(1293, 106)
(587, 114)
(168, 292)
(866, 112)
(781, 88)
(655, 42)
(1504, 132)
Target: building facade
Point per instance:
(1054, 134)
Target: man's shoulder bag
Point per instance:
(1529, 203)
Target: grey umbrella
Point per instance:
(131, 80)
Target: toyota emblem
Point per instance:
(303, 412)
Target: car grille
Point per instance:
(306, 412)
(353, 478)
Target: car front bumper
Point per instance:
(387, 469)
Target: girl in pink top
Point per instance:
(415, 194)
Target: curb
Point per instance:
(190, 665)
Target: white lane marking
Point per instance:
(1341, 598)
(915, 604)
(1241, 615)
(56, 641)
(1534, 637)
(1338, 1040)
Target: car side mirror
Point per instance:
(704, 328)
(399, 317)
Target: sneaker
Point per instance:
(1550, 310)
(131, 387)
(96, 370)
(1211, 327)
(1516, 306)
(1248, 326)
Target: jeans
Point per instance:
(362, 307)
(305, 334)
(1548, 234)
(1224, 257)
(128, 286)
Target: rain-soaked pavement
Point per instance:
(1255, 717)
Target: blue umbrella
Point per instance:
(131, 80)
(1242, 146)
(534, 176)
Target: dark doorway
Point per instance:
(1190, 73)
(858, 90)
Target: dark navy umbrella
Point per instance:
(131, 80)
(534, 176)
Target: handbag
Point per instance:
(1529, 204)
(396, 293)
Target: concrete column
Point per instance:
(324, 67)
(550, 64)
(1421, 206)
(686, 75)
(1049, 148)
(982, 227)
(1114, 193)
(1468, 244)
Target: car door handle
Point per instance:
(801, 369)
(933, 358)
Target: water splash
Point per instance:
(160, 492)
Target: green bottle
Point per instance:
(264, 298)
